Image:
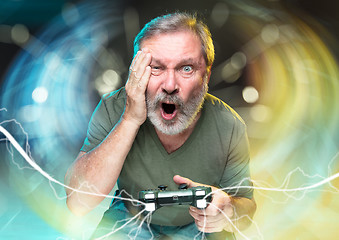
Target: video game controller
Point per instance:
(195, 196)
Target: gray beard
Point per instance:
(186, 113)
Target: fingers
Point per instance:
(180, 180)
(142, 84)
(212, 211)
(221, 203)
(211, 218)
(139, 70)
(206, 228)
(136, 85)
(209, 223)
(218, 214)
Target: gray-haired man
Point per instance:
(164, 128)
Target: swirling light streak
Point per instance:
(297, 79)
(59, 60)
(281, 56)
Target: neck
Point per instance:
(173, 142)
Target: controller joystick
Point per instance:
(162, 187)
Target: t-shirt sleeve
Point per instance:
(236, 177)
(99, 127)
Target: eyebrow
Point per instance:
(185, 61)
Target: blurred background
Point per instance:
(276, 65)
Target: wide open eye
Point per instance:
(187, 69)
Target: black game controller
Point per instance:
(195, 196)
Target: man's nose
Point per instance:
(170, 85)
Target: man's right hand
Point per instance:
(139, 74)
(99, 168)
(97, 171)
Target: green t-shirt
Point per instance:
(216, 153)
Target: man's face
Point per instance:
(178, 82)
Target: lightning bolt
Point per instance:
(147, 219)
(124, 225)
(35, 166)
(31, 162)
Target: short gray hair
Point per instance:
(176, 22)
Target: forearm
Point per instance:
(98, 170)
(244, 210)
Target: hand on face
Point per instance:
(216, 217)
(139, 74)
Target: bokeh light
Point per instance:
(250, 94)
(40, 95)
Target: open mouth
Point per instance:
(168, 111)
(168, 108)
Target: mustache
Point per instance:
(164, 97)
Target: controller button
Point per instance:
(149, 196)
(150, 207)
(183, 186)
(201, 203)
(200, 193)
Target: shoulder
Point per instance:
(118, 95)
(222, 111)
(112, 105)
(114, 101)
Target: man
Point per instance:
(163, 128)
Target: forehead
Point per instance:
(174, 47)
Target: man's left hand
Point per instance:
(217, 216)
